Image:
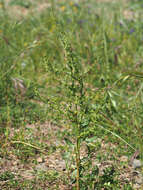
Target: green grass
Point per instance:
(108, 45)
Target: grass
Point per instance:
(106, 41)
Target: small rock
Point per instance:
(39, 160)
(136, 164)
(124, 159)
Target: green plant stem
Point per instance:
(78, 163)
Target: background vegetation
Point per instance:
(71, 93)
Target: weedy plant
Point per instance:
(76, 107)
(75, 104)
(82, 109)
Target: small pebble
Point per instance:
(136, 164)
(39, 160)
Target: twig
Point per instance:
(30, 145)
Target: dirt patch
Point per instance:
(52, 161)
